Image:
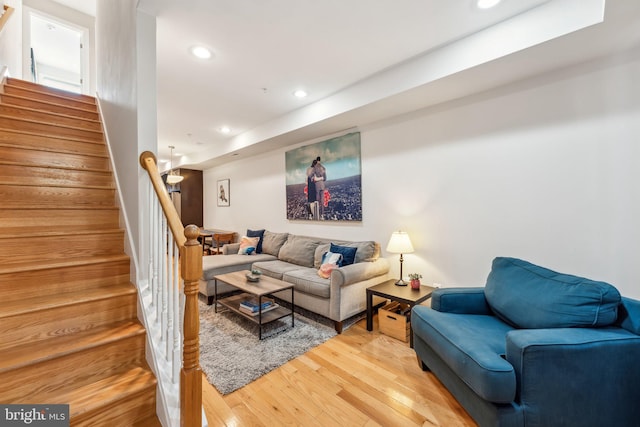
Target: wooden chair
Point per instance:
(222, 238)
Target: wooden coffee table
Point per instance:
(404, 294)
(262, 288)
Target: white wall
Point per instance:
(546, 170)
(11, 41)
(128, 103)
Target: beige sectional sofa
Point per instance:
(296, 259)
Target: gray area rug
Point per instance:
(231, 355)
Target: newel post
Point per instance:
(191, 374)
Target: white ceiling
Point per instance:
(264, 50)
(359, 60)
(85, 6)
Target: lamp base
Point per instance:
(401, 283)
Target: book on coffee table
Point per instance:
(252, 304)
(250, 312)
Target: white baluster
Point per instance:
(177, 315)
(164, 281)
(168, 334)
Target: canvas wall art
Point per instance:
(324, 180)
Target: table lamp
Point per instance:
(400, 244)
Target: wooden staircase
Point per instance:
(68, 324)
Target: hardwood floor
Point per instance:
(358, 378)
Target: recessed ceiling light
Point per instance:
(201, 52)
(225, 129)
(486, 4)
(300, 93)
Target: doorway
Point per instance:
(55, 53)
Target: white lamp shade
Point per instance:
(400, 243)
(174, 179)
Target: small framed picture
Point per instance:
(223, 192)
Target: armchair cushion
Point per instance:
(529, 296)
(460, 300)
(473, 346)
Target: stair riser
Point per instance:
(14, 249)
(54, 108)
(47, 97)
(48, 118)
(125, 412)
(28, 152)
(40, 283)
(55, 197)
(19, 174)
(47, 218)
(44, 382)
(54, 130)
(60, 321)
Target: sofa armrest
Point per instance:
(587, 375)
(460, 300)
(230, 248)
(358, 272)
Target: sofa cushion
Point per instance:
(348, 253)
(274, 268)
(257, 233)
(529, 296)
(473, 346)
(299, 250)
(221, 264)
(307, 281)
(272, 242)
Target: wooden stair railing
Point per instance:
(190, 255)
(7, 11)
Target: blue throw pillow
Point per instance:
(348, 253)
(257, 233)
(529, 296)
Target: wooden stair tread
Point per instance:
(56, 263)
(71, 108)
(49, 113)
(108, 390)
(17, 133)
(22, 119)
(39, 351)
(65, 168)
(18, 307)
(56, 185)
(36, 88)
(35, 232)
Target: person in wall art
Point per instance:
(320, 177)
(311, 191)
(223, 197)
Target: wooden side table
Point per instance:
(403, 294)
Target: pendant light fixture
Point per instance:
(172, 177)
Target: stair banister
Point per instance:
(190, 254)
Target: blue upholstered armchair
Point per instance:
(535, 348)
